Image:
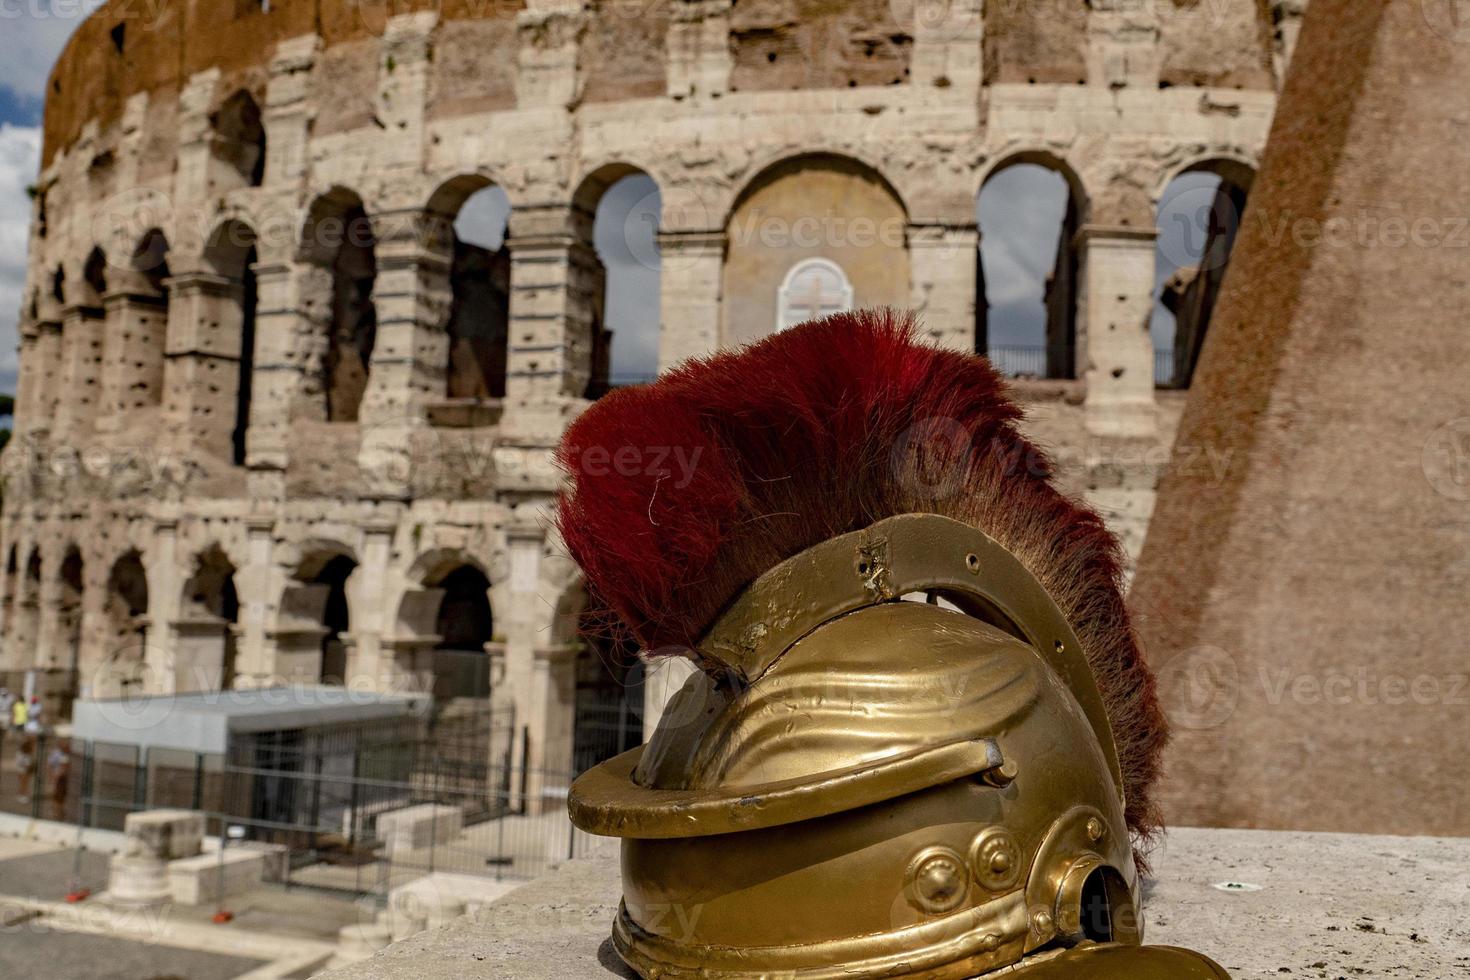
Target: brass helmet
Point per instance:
(898, 758)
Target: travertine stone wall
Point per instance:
(406, 110)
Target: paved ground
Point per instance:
(1319, 906)
(31, 950)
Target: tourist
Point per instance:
(58, 768)
(35, 716)
(19, 714)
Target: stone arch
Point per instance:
(339, 247)
(1020, 336)
(93, 279)
(1199, 213)
(314, 618)
(812, 206)
(123, 664)
(237, 146)
(230, 253)
(477, 324)
(207, 631)
(616, 211)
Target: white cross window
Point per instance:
(813, 288)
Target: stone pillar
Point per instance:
(51, 673)
(948, 43)
(553, 715)
(1117, 351)
(288, 111)
(371, 619)
(254, 586)
(555, 287)
(699, 59)
(278, 370)
(194, 161)
(1123, 45)
(413, 298)
(165, 597)
(691, 274)
(403, 87)
(139, 872)
(942, 260)
(132, 370)
(81, 372)
(550, 36)
(202, 370)
(45, 371)
(27, 377)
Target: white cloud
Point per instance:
(32, 34)
(20, 149)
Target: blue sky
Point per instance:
(32, 34)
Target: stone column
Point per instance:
(80, 377)
(948, 44)
(942, 263)
(403, 86)
(699, 59)
(27, 377)
(49, 662)
(135, 334)
(555, 288)
(691, 274)
(1117, 349)
(202, 369)
(288, 111)
(278, 371)
(553, 715)
(254, 584)
(413, 298)
(165, 597)
(45, 371)
(371, 619)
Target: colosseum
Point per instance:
(278, 422)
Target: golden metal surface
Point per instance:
(869, 787)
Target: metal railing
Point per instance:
(495, 819)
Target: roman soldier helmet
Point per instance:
(921, 736)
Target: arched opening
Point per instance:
(143, 330)
(811, 235)
(94, 275)
(622, 204)
(475, 214)
(465, 627)
(125, 619)
(7, 598)
(609, 694)
(1200, 214)
(1029, 212)
(238, 144)
(231, 254)
(338, 240)
(208, 631)
(336, 617)
(68, 630)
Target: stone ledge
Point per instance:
(1329, 906)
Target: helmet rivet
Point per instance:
(1041, 922)
(937, 879)
(990, 942)
(1095, 829)
(996, 859)
(972, 562)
